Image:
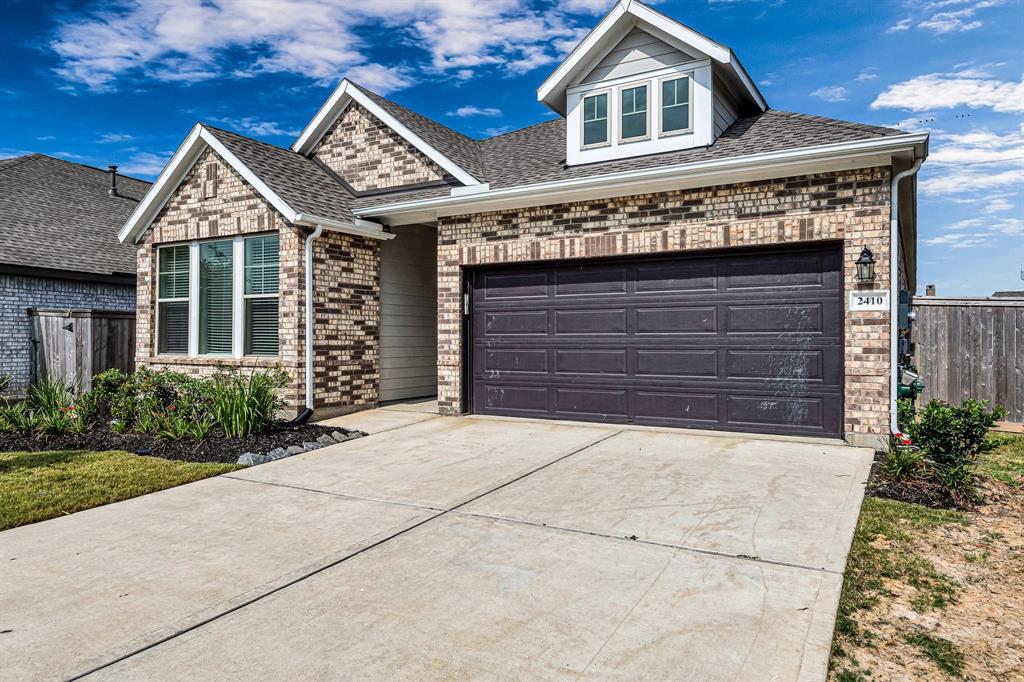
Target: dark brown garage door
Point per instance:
(749, 342)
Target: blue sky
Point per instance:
(122, 82)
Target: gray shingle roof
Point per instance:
(59, 215)
(463, 150)
(303, 183)
(537, 153)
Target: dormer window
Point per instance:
(675, 105)
(633, 108)
(595, 120)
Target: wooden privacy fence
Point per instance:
(972, 348)
(74, 344)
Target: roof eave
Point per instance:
(625, 182)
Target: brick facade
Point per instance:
(369, 155)
(18, 293)
(346, 289)
(851, 206)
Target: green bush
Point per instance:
(902, 461)
(142, 400)
(246, 404)
(17, 418)
(906, 414)
(52, 403)
(954, 435)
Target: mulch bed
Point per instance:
(215, 448)
(917, 490)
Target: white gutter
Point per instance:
(894, 249)
(309, 313)
(361, 228)
(624, 179)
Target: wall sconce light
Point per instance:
(866, 266)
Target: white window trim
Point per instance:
(661, 108)
(177, 299)
(238, 297)
(647, 111)
(607, 119)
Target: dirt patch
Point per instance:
(215, 448)
(979, 633)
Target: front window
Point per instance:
(234, 306)
(172, 300)
(595, 120)
(634, 113)
(675, 105)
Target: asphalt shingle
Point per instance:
(59, 215)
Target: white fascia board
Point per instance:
(186, 154)
(680, 32)
(579, 54)
(360, 227)
(705, 173)
(335, 105)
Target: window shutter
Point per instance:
(215, 300)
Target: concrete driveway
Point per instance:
(452, 548)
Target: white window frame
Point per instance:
(238, 297)
(177, 299)
(661, 105)
(607, 119)
(620, 113)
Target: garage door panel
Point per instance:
(595, 402)
(590, 281)
(677, 320)
(680, 277)
(691, 409)
(514, 323)
(599, 321)
(749, 342)
(585, 361)
(677, 363)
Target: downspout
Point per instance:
(309, 314)
(894, 282)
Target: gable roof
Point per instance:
(450, 150)
(301, 189)
(537, 154)
(620, 20)
(60, 216)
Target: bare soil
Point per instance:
(215, 448)
(984, 557)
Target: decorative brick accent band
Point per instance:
(346, 290)
(850, 206)
(369, 155)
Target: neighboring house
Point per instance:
(668, 250)
(59, 247)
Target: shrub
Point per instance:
(140, 401)
(246, 404)
(52, 403)
(18, 418)
(903, 461)
(953, 436)
(5, 383)
(906, 414)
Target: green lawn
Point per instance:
(35, 486)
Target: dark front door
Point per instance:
(742, 342)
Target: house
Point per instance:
(59, 248)
(668, 250)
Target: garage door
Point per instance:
(749, 342)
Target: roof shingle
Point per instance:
(59, 215)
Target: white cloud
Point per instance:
(190, 40)
(901, 25)
(831, 93)
(959, 180)
(588, 6)
(998, 203)
(987, 233)
(945, 91)
(113, 138)
(470, 110)
(146, 164)
(254, 126)
(868, 74)
(977, 146)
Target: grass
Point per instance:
(1005, 461)
(941, 651)
(36, 486)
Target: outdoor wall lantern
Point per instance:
(866, 266)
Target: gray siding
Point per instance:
(18, 293)
(726, 109)
(408, 307)
(638, 52)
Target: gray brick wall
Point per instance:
(18, 293)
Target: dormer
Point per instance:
(641, 83)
